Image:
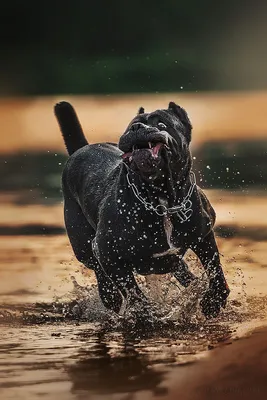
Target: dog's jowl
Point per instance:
(135, 206)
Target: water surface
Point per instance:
(57, 339)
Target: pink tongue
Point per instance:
(155, 150)
(126, 155)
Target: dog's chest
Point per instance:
(168, 228)
(145, 233)
(167, 224)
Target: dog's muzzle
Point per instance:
(152, 150)
(143, 143)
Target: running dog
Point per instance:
(135, 206)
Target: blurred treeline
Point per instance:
(122, 46)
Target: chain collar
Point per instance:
(183, 210)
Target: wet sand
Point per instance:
(46, 350)
(44, 354)
(237, 371)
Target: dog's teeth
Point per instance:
(150, 145)
(130, 159)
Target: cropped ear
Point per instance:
(141, 110)
(183, 117)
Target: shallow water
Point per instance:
(57, 339)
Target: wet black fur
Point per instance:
(110, 230)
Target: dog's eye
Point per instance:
(161, 125)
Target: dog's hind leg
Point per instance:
(127, 284)
(81, 235)
(183, 275)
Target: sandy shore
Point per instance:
(236, 371)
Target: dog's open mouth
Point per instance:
(143, 151)
(152, 147)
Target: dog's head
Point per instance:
(156, 143)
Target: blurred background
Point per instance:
(108, 58)
(147, 46)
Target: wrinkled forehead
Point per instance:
(165, 116)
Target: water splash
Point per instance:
(173, 310)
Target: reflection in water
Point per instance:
(94, 360)
(56, 341)
(108, 368)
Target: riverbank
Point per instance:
(233, 372)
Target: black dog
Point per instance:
(136, 207)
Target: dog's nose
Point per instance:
(138, 125)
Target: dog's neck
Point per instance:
(170, 191)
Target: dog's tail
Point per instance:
(70, 127)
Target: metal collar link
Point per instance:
(183, 210)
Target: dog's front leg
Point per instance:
(216, 295)
(125, 281)
(116, 282)
(115, 277)
(109, 294)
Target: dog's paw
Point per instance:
(214, 298)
